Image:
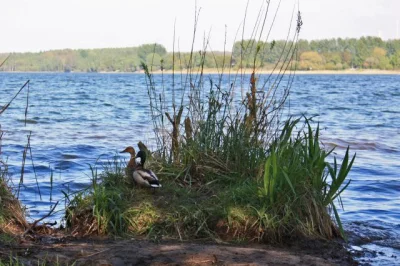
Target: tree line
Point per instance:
(326, 54)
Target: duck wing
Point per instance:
(151, 177)
(147, 174)
(152, 174)
(138, 178)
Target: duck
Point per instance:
(130, 168)
(144, 177)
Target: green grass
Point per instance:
(11, 261)
(17, 261)
(295, 197)
(300, 186)
(12, 214)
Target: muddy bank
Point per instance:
(144, 252)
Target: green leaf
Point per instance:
(289, 182)
(339, 222)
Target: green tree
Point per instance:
(395, 60)
(311, 61)
(362, 52)
(147, 49)
(378, 59)
(153, 61)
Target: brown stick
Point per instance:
(27, 103)
(188, 129)
(41, 219)
(175, 133)
(90, 255)
(1, 136)
(21, 179)
(8, 104)
(5, 60)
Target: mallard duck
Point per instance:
(130, 168)
(144, 177)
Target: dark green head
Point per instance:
(142, 156)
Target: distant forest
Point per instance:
(328, 54)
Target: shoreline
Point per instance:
(65, 250)
(233, 72)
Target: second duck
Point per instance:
(144, 177)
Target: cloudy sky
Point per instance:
(39, 25)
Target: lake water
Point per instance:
(80, 119)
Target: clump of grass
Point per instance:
(12, 214)
(100, 208)
(300, 186)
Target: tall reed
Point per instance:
(210, 132)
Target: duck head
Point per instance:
(141, 158)
(129, 150)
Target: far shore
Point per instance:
(298, 72)
(243, 71)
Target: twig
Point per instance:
(21, 179)
(1, 136)
(90, 255)
(27, 104)
(41, 219)
(8, 104)
(2, 63)
(33, 165)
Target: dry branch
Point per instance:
(8, 104)
(175, 133)
(34, 224)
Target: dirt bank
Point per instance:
(143, 252)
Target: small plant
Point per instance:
(100, 208)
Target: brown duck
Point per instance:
(130, 168)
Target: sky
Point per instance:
(40, 25)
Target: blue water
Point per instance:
(79, 120)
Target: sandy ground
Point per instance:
(249, 71)
(144, 252)
(297, 72)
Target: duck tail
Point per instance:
(155, 184)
